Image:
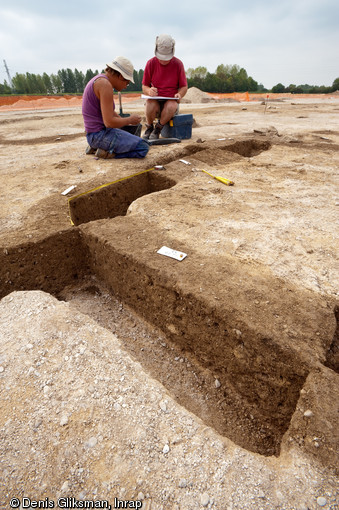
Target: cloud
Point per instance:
(287, 41)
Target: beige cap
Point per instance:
(164, 47)
(123, 66)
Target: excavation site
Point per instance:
(169, 325)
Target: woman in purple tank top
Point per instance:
(104, 127)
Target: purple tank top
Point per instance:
(91, 111)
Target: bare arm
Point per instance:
(149, 91)
(104, 92)
(181, 92)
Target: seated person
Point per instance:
(103, 126)
(165, 76)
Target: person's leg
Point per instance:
(168, 110)
(91, 148)
(139, 151)
(118, 142)
(151, 110)
(127, 145)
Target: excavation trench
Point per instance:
(114, 199)
(200, 333)
(235, 376)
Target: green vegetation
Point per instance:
(226, 78)
(306, 89)
(65, 81)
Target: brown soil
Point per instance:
(243, 332)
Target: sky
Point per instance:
(286, 41)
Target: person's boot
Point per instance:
(149, 129)
(156, 131)
(90, 150)
(101, 153)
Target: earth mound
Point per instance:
(195, 95)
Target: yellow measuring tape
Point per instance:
(103, 186)
(221, 179)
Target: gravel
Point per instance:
(80, 418)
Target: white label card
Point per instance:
(174, 254)
(68, 190)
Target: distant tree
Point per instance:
(48, 83)
(32, 83)
(56, 83)
(199, 72)
(29, 83)
(137, 85)
(79, 80)
(71, 82)
(322, 89)
(68, 81)
(293, 89)
(278, 89)
(252, 85)
(209, 83)
(62, 74)
(5, 88)
(89, 75)
(20, 84)
(261, 88)
(40, 85)
(227, 78)
(223, 71)
(335, 85)
(197, 77)
(241, 81)
(305, 88)
(141, 75)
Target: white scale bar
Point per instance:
(174, 254)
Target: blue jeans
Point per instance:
(122, 143)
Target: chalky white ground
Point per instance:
(80, 418)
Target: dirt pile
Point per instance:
(195, 95)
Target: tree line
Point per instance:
(306, 89)
(65, 81)
(232, 78)
(226, 78)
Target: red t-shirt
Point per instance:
(168, 79)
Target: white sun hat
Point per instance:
(123, 66)
(164, 47)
